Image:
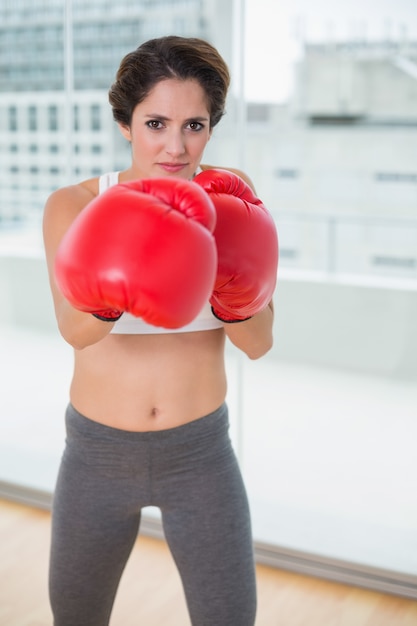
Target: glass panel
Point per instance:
(327, 132)
(329, 415)
(31, 84)
(56, 127)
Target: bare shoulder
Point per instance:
(76, 196)
(63, 206)
(65, 203)
(238, 172)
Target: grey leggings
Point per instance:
(190, 472)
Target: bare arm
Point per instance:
(77, 328)
(254, 336)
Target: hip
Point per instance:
(106, 449)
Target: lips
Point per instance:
(173, 167)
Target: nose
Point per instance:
(175, 144)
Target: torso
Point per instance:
(150, 382)
(146, 382)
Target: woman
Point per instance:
(147, 421)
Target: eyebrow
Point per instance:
(164, 118)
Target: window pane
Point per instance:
(330, 413)
(324, 424)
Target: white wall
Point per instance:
(364, 326)
(320, 321)
(25, 298)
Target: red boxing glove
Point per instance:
(247, 247)
(145, 247)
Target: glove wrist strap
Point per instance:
(108, 318)
(229, 321)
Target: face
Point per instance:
(169, 130)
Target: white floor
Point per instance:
(328, 456)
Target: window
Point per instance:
(287, 172)
(76, 117)
(13, 118)
(32, 118)
(53, 117)
(324, 425)
(95, 112)
(396, 177)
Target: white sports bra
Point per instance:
(130, 325)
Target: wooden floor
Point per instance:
(150, 593)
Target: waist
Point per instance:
(213, 422)
(150, 382)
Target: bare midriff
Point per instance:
(150, 382)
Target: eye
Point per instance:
(195, 126)
(154, 124)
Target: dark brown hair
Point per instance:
(169, 57)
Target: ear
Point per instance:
(125, 130)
